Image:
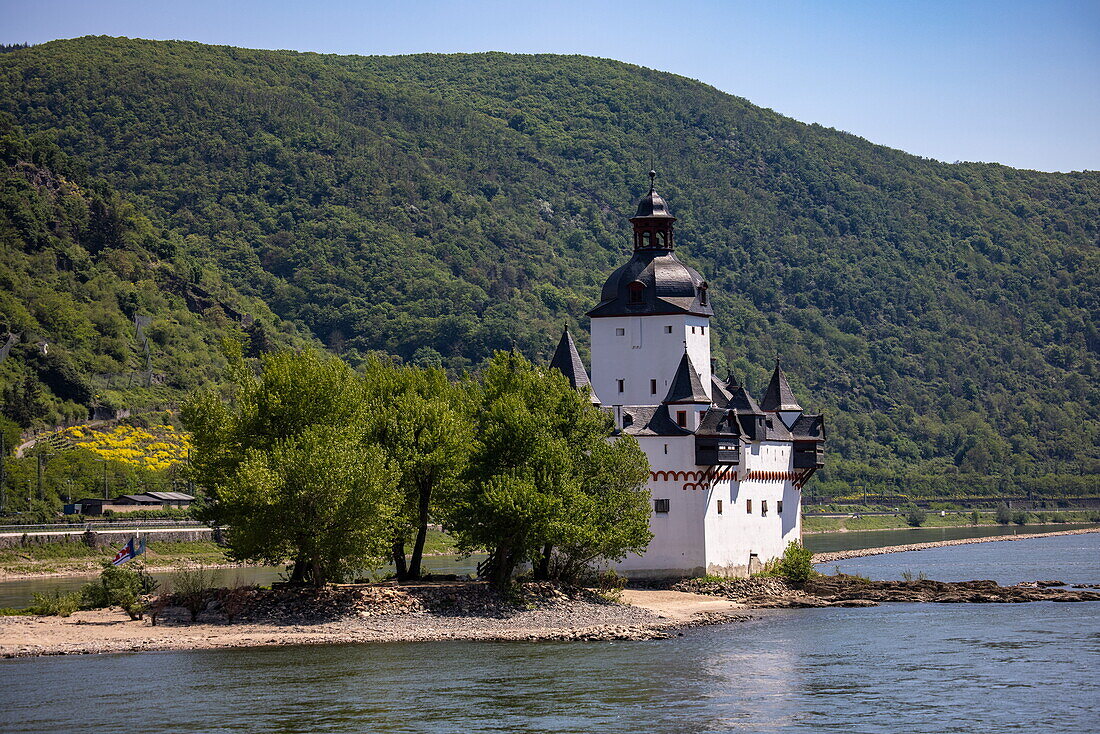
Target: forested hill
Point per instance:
(442, 206)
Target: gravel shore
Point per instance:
(842, 555)
(383, 614)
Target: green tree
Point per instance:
(288, 465)
(425, 431)
(536, 480)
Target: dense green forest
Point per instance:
(438, 207)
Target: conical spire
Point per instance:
(779, 397)
(741, 400)
(567, 361)
(687, 385)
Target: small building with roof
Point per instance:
(726, 472)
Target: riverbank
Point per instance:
(856, 522)
(422, 613)
(843, 555)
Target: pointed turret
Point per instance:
(687, 385)
(779, 397)
(568, 361)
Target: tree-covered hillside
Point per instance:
(441, 206)
(80, 267)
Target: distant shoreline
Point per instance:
(831, 556)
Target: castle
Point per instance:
(726, 472)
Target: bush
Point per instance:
(1004, 515)
(1020, 518)
(54, 603)
(192, 589)
(119, 586)
(915, 516)
(796, 564)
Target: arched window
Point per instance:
(636, 293)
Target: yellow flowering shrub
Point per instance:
(156, 448)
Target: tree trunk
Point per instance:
(542, 570)
(298, 574)
(421, 532)
(398, 553)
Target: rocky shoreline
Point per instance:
(375, 613)
(843, 590)
(859, 553)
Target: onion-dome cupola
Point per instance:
(653, 281)
(653, 222)
(779, 397)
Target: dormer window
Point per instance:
(635, 294)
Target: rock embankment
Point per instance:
(859, 553)
(372, 613)
(855, 591)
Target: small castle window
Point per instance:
(682, 418)
(621, 385)
(748, 506)
(660, 506)
(719, 507)
(652, 387)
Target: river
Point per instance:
(894, 668)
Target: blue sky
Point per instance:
(1012, 82)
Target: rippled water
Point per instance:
(892, 668)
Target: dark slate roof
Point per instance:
(809, 428)
(774, 430)
(653, 205)
(668, 287)
(687, 385)
(719, 392)
(650, 420)
(742, 401)
(779, 395)
(567, 361)
(719, 422)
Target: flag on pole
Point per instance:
(129, 552)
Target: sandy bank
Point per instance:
(842, 555)
(647, 615)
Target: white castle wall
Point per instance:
(738, 533)
(644, 351)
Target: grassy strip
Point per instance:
(72, 556)
(933, 520)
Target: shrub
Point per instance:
(54, 603)
(234, 600)
(1004, 515)
(796, 564)
(1020, 518)
(915, 516)
(119, 586)
(191, 589)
